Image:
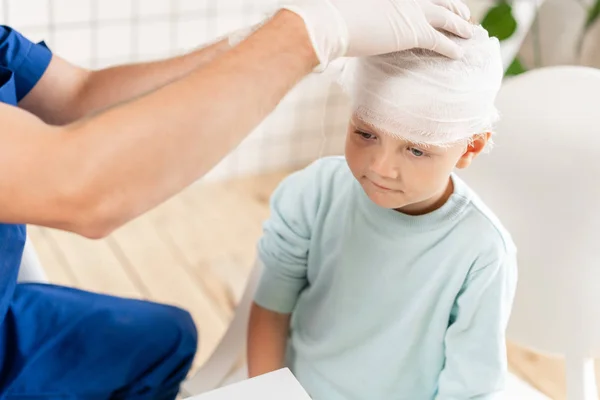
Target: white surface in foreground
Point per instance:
(274, 386)
(516, 389)
(283, 385)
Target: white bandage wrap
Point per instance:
(426, 98)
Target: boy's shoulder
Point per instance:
(327, 167)
(485, 227)
(324, 174)
(314, 188)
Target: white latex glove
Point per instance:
(355, 28)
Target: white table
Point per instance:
(274, 386)
(283, 385)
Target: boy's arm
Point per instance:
(476, 364)
(267, 338)
(283, 251)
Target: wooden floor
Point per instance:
(195, 252)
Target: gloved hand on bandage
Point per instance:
(356, 28)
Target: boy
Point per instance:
(385, 277)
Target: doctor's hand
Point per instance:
(355, 28)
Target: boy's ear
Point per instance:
(473, 150)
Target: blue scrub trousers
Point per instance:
(62, 343)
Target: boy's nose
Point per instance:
(384, 165)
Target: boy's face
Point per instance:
(398, 175)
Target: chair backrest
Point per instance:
(542, 179)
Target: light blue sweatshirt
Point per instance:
(387, 306)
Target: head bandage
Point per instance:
(426, 98)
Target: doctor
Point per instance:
(87, 151)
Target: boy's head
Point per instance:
(417, 116)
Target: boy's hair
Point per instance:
(427, 98)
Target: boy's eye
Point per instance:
(365, 135)
(416, 152)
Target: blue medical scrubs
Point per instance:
(62, 343)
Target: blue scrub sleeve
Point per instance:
(26, 59)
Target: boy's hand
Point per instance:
(356, 28)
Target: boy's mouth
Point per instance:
(381, 187)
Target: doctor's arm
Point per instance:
(66, 92)
(96, 174)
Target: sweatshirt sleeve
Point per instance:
(476, 364)
(284, 246)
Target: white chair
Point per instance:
(542, 179)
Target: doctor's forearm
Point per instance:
(111, 86)
(133, 157)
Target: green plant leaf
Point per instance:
(593, 14)
(515, 68)
(499, 21)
